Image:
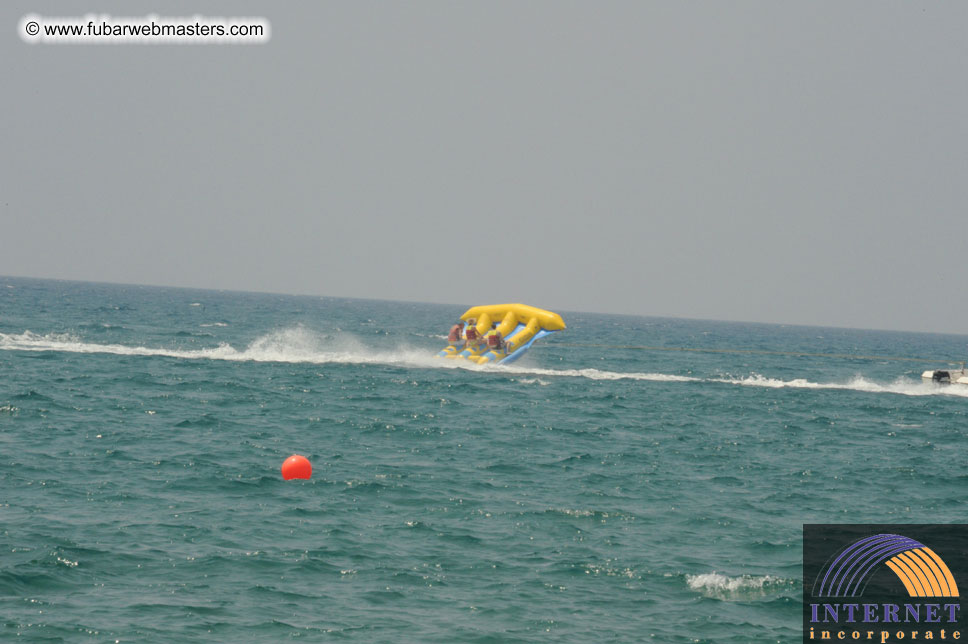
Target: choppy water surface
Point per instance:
(588, 493)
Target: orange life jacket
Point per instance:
(471, 333)
(454, 334)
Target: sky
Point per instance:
(783, 162)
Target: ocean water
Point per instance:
(600, 490)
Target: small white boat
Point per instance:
(947, 376)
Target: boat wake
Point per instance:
(857, 383)
(294, 345)
(301, 345)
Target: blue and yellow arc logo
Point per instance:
(919, 568)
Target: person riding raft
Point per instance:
(456, 335)
(473, 338)
(495, 341)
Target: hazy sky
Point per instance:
(767, 161)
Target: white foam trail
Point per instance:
(298, 345)
(289, 345)
(858, 383)
(301, 345)
(594, 374)
(28, 341)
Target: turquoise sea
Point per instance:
(599, 490)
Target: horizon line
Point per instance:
(458, 304)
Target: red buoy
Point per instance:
(297, 467)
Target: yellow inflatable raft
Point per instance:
(519, 325)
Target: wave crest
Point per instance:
(721, 586)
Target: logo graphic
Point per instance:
(919, 568)
(883, 583)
